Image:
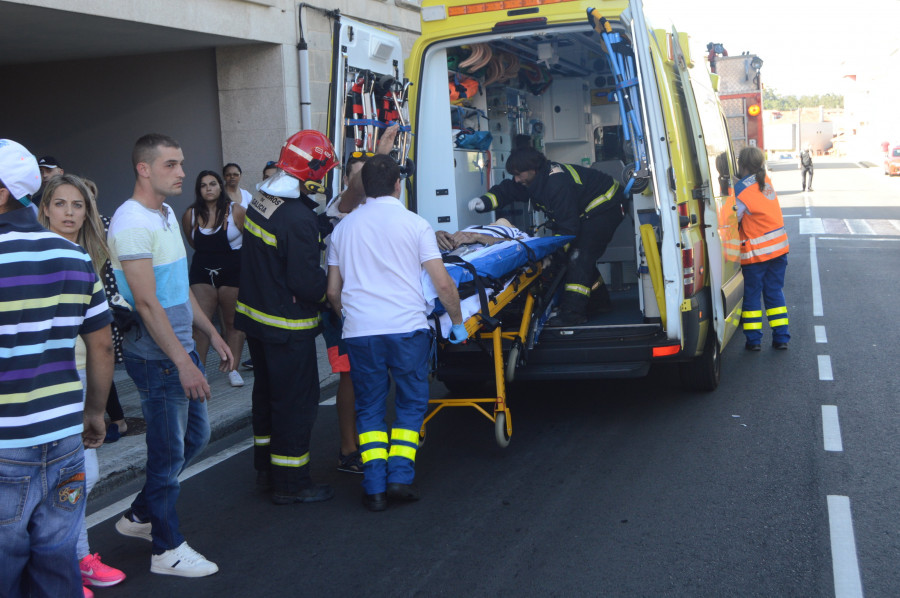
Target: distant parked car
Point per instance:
(892, 162)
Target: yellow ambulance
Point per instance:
(604, 90)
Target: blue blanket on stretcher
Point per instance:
(498, 261)
(495, 261)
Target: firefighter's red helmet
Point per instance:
(307, 155)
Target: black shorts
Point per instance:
(220, 269)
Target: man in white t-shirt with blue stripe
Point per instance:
(374, 280)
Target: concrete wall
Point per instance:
(89, 113)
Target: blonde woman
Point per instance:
(68, 209)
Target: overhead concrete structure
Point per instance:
(83, 80)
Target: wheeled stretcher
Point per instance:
(493, 324)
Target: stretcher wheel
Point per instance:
(512, 361)
(500, 432)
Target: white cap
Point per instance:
(19, 170)
(281, 184)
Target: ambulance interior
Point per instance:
(553, 88)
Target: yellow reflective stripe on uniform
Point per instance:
(375, 436)
(276, 321)
(373, 454)
(573, 172)
(493, 199)
(286, 461)
(401, 450)
(776, 310)
(602, 199)
(262, 440)
(405, 435)
(752, 325)
(255, 230)
(779, 322)
(579, 288)
(753, 314)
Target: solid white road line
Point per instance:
(847, 583)
(820, 334)
(831, 429)
(816, 286)
(120, 506)
(825, 372)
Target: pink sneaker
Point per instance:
(95, 573)
(87, 593)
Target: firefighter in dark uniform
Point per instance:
(576, 201)
(282, 291)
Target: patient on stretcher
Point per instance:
(471, 238)
(496, 251)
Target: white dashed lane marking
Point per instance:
(825, 372)
(831, 429)
(847, 583)
(820, 335)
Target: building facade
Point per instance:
(83, 79)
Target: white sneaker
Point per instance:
(183, 561)
(127, 526)
(235, 379)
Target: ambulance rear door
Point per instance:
(362, 57)
(715, 193)
(660, 166)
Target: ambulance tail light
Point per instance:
(666, 350)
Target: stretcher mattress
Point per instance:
(500, 261)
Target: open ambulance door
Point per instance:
(707, 190)
(719, 215)
(660, 165)
(364, 60)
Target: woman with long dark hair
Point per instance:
(213, 225)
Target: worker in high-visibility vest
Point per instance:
(764, 251)
(576, 201)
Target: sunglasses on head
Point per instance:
(270, 163)
(361, 154)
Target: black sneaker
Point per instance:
(351, 463)
(779, 346)
(752, 347)
(567, 318)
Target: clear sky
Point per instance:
(807, 46)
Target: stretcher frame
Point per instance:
(503, 372)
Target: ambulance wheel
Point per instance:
(702, 373)
(512, 361)
(500, 432)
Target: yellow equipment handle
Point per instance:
(648, 238)
(598, 21)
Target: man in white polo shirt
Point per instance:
(374, 280)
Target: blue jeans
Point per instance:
(765, 279)
(42, 498)
(177, 431)
(373, 361)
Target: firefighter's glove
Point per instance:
(458, 334)
(476, 205)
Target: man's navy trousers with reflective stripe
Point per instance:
(389, 458)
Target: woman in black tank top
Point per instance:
(216, 266)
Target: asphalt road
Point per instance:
(618, 488)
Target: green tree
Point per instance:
(773, 101)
